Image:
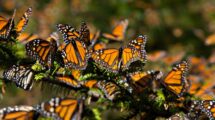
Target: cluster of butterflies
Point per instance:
(79, 49)
(56, 108)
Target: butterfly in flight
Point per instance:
(43, 50)
(117, 60)
(61, 109)
(23, 76)
(7, 27)
(118, 33)
(141, 80)
(75, 53)
(18, 113)
(176, 80)
(26, 37)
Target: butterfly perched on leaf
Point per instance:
(18, 113)
(176, 80)
(7, 27)
(110, 89)
(116, 60)
(64, 80)
(75, 53)
(118, 33)
(43, 50)
(141, 80)
(23, 76)
(61, 108)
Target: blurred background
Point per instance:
(175, 29)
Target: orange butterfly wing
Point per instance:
(176, 80)
(208, 107)
(139, 45)
(42, 50)
(69, 32)
(140, 80)
(75, 56)
(107, 58)
(6, 26)
(85, 34)
(60, 108)
(68, 80)
(18, 113)
(25, 37)
(118, 32)
(23, 21)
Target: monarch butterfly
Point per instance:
(139, 44)
(118, 33)
(25, 37)
(176, 80)
(208, 107)
(43, 50)
(111, 90)
(68, 80)
(200, 90)
(140, 80)
(61, 109)
(18, 113)
(89, 83)
(75, 53)
(85, 34)
(7, 26)
(22, 75)
(23, 21)
(116, 60)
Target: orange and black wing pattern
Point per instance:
(68, 32)
(111, 90)
(75, 55)
(141, 80)
(61, 109)
(6, 26)
(118, 33)
(18, 113)
(176, 80)
(116, 59)
(42, 50)
(23, 21)
(208, 107)
(67, 80)
(139, 44)
(85, 34)
(89, 83)
(107, 58)
(26, 37)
